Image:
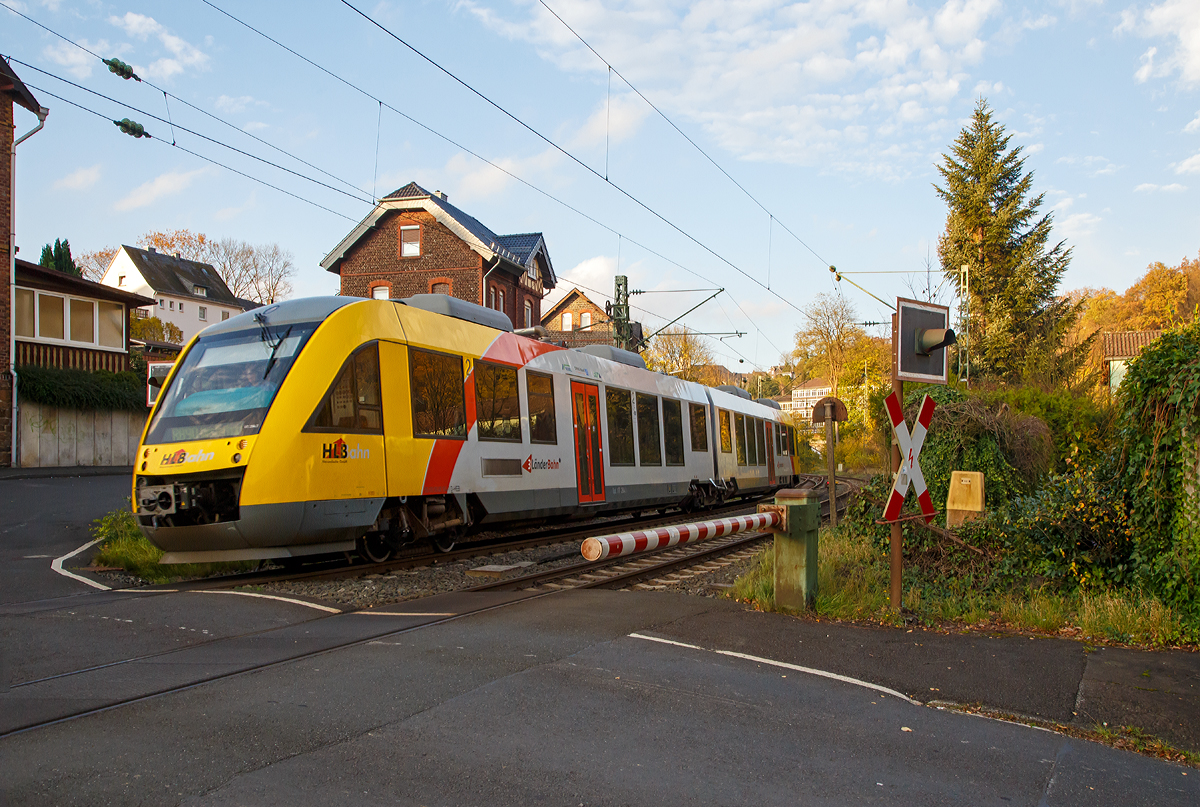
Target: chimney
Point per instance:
(442, 196)
(152, 249)
(176, 254)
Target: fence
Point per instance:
(52, 437)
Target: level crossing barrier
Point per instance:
(628, 543)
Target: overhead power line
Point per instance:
(185, 102)
(102, 116)
(481, 158)
(566, 153)
(682, 133)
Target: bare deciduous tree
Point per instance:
(829, 335)
(95, 264)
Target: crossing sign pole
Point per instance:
(920, 334)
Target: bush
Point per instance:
(78, 389)
(122, 544)
(1082, 430)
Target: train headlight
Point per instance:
(237, 458)
(242, 444)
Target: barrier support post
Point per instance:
(796, 548)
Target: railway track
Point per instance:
(506, 542)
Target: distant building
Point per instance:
(805, 396)
(188, 294)
(575, 321)
(416, 242)
(1119, 349)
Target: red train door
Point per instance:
(589, 454)
(772, 446)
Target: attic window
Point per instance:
(532, 271)
(410, 241)
(200, 291)
(120, 280)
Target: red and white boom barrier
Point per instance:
(627, 543)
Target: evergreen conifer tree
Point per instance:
(1018, 324)
(59, 258)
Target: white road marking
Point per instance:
(405, 613)
(58, 562)
(325, 608)
(811, 671)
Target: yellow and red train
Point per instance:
(336, 424)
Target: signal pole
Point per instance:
(896, 537)
(622, 331)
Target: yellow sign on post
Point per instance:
(965, 500)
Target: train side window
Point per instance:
(649, 450)
(620, 426)
(540, 399)
(699, 426)
(673, 431)
(353, 403)
(760, 430)
(726, 432)
(438, 400)
(751, 443)
(739, 426)
(497, 405)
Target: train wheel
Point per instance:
(373, 548)
(445, 541)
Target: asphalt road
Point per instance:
(45, 518)
(554, 700)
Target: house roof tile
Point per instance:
(1127, 344)
(54, 280)
(168, 274)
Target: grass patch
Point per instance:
(853, 584)
(122, 544)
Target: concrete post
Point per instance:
(796, 549)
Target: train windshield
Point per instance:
(227, 382)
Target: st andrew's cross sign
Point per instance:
(910, 453)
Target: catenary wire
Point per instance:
(682, 133)
(102, 116)
(189, 104)
(485, 160)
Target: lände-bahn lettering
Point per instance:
(181, 456)
(530, 465)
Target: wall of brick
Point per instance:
(6, 381)
(444, 258)
(578, 306)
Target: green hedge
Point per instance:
(79, 389)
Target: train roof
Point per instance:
(305, 309)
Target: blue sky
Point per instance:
(832, 116)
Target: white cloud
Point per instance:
(167, 184)
(1194, 126)
(1150, 187)
(183, 54)
(256, 126)
(79, 180)
(592, 273)
(1077, 225)
(615, 122)
(476, 180)
(859, 87)
(227, 213)
(1095, 165)
(1176, 24)
(77, 62)
(230, 105)
(1034, 148)
(1189, 166)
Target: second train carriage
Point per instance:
(331, 424)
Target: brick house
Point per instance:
(416, 242)
(575, 321)
(12, 93)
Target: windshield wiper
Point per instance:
(275, 350)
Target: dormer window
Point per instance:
(410, 241)
(200, 291)
(120, 280)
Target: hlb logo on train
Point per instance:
(181, 456)
(530, 465)
(339, 450)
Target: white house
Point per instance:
(188, 294)
(805, 396)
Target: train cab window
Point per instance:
(540, 401)
(726, 432)
(760, 430)
(673, 431)
(739, 428)
(438, 401)
(497, 405)
(353, 403)
(620, 426)
(649, 450)
(699, 426)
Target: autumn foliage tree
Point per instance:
(680, 353)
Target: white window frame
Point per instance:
(375, 293)
(528, 314)
(67, 341)
(416, 227)
(203, 313)
(568, 321)
(585, 320)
